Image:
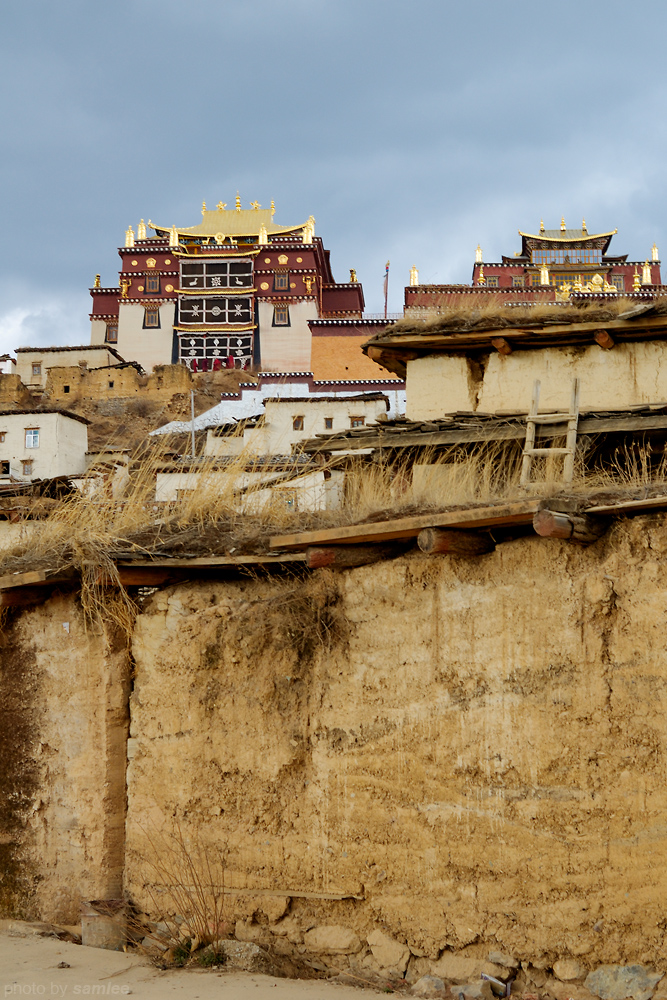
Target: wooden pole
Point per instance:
(348, 556)
(576, 527)
(437, 541)
(501, 345)
(602, 338)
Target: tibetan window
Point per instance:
(32, 437)
(153, 284)
(217, 309)
(4, 468)
(151, 317)
(3, 435)
(492, 282)
(328, 423)
(618, 281)
(27, 467)
(567, 255)
(37, 368)
(216, 274)
(281, 281)
(281, 315)
(111, 336)
(357, 421)
(518, 281)
(297, 423)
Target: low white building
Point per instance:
(42, 444)
(33, 363)
(253, 490)
(288, 420)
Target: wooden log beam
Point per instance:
(576, 527)
(602, 338)
(22, 596)
(501, 345)
(436, 541)
(347, 556)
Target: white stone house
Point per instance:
(42, 444)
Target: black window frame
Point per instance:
(282, 306)
(151, 311)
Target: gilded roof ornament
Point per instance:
(583, 226)
(141, 230)
(544, 275)
(97, 281)
(636, 281)
(562, 224)
(478, 255)
(221, 206)
(414, 275)
(129, 237)
(263, 237)
(238, 202)
(353, 275)
(273, 207)
(256, 205)
(203, 207)
(655, 255)
(646, 273)
(541, 225)
(481, 280)
(173, 237)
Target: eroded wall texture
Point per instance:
(473, 748)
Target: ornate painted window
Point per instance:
(357, 421)
(567, 255)
(618, 281)
(216, 274)
(224, 350)
(281, 281)
(32, 437)
(281, 314)
(518, 281)
(153, 283)
(228, 309)
(151, 317)
(492, 282)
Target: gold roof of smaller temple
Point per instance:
(223, 221)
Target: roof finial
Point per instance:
(583, 226)
(129, 237)
(141, 230)
(203, 207)
(544, 275)
(263, 237)
(541, 225)
(238, 202)
(255, 204)
(97, 281)
(273, 207)
(646, 273)
(173, 237)
(481, 280)
(221, 206)
(353, 275)
(636, 281)
(478, 255)
(562, 224)
(655, 255)
(414, 276)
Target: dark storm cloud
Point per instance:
(411, 131)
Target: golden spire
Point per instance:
(583, 226)
(636, 281)
(481, 280)
(129, 237)
(654, 253)
(414, 275)
(646, 273)
(541, 225)
(478, 255)
(353, 275)
(238, 202)
(173, 237)
(309, 230)
(97, 281)
(562, 224)
(203, 207)
(263, 237)
(221, 206)
(255, 204)
(141, 230)
(273, 207)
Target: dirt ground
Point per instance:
(29, 967)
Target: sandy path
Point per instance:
(29, 968)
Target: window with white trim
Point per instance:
(216, 274)
(32, 437)
(26, 467)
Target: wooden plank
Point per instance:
(628, 506)
(210, 561)
(409, 527)
(23, 579)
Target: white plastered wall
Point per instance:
(98, 331)
(96, 358)
(148, 347)
(627, 375)
(63, 443)
(286, 348)
(312, 490)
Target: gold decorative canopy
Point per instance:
(221, 222)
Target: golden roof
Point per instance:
(238, 221)
(565, 235)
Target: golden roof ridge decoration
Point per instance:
(236, 221)
(565, 239)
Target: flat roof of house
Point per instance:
(37, 413)
(67, 347)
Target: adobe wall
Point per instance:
(484, 765)
(341, 357)
(628, 375)
(481, 762)
(63, 736)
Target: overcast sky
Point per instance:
(410, 130)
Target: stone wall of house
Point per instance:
(467, 755)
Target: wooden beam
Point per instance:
(22, 579)
(501, 345)
(602, 338)
(347, 556)
(628, 507)
(210, 562)
(576, 527)
(22, 596)
(445, 541)
(517, 513)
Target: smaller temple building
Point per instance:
(552, 265)
(234, 290)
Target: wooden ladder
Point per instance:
(572, 420)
